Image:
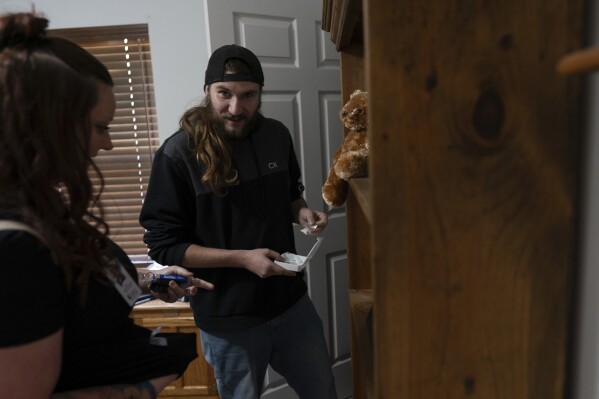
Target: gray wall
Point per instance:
(178, 41)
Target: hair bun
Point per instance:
(24, 29)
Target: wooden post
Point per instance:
(474, 146)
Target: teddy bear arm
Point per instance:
(334, 190)
(352, 164)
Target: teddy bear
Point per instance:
(351, 158)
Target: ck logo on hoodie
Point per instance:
(272, 165)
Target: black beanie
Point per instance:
(216, 66)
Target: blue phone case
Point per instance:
(160, 281)
(166, 278)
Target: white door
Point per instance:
(302, 90)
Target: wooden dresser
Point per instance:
(198, 380)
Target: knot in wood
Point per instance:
(489, 115)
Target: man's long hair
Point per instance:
(208, 142)
(210, 147)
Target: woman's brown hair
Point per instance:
(44, 138)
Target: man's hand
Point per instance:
(315, 221)
(260, 262)
(176, 291)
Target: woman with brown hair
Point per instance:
(68, 289)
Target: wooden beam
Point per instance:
(474, 143)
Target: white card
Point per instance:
(122, 281)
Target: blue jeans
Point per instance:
(292, 343)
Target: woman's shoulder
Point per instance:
(20, 247)
(37, 286)
(16, 237)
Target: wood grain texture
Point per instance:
(359, 247)
(352, 70)
(474, 142)
(360, 303)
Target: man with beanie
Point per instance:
(223, 195)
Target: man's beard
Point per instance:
(218, 121)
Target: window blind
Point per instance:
(125, 50)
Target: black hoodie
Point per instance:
(179, 210)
